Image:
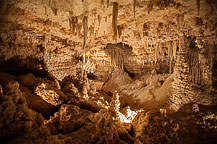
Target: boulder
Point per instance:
(116, 79)
(6, 78)
(28, 80)
(50, 94)
(15, 116)
(68, 119)
(36, 103)
(151, 97)
(70, 88)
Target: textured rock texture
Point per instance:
(95, 120)
(54, 31)
(160, 55)
(116, 79)
(16, 117)
(49, 94)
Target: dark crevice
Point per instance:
(7, 139)
(55, 109)
(91, 76)
(86, 106)
(78, 127)
(132, 75)
(214, 71)
(18, 66)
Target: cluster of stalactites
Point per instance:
(163, 53)
(159, 53)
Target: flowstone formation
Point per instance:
(108, 71)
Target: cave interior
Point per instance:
(108, 71)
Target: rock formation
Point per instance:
(108, 71)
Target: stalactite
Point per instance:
(155, 55)
(162, 52)
(119, 30)
(85, 27)
(107, 3)
(191, 57)
(196, 71)
(114, 19)
(197, 67)
(199, 73)
(78, 29)
(157, 48)
(170, 60)
(118, 57)
(102, 2)
(150, 6)
(54, 10)
(168, 52)
(134, 8)
(99, 19)
(174, 49)
(73, 21)
(50, 2)
(198, 6)
(91, 30)
(194, 67)
(170, 69)
(202, 79)
(171, 50)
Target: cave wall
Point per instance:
(53, 32)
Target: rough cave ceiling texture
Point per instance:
(54, 34)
